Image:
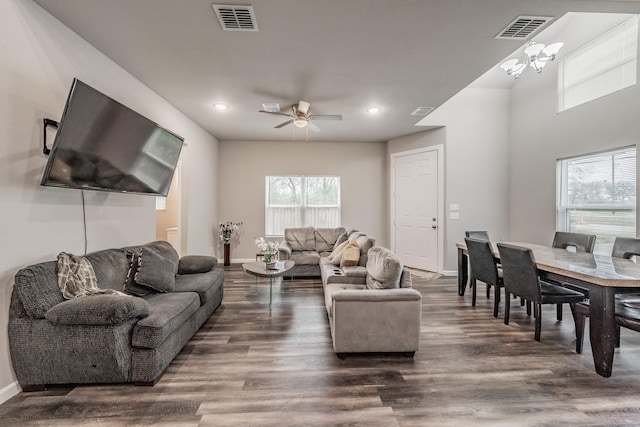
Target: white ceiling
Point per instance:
(340, 55)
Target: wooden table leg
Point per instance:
(602, 328)
(463, 273)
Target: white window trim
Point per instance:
(303, 200)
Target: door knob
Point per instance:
(434, 226)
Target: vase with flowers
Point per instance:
(226, 231)
(269, 251)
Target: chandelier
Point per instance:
(536, 55)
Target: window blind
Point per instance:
(606, 65)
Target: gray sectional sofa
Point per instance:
(377, 313)
(368, 293)
(111, 338)
(307, 246)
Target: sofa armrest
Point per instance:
(355, 271)
(377, 295)
(284, 251)
(376, 321)
(98, 310)
(191, 264)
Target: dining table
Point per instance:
(601, 277)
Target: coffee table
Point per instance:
(259, 269)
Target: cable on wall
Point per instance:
(84, 222)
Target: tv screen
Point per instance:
(104, 145)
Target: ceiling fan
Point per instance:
(301, 117)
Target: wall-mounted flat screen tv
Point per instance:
(104, 145)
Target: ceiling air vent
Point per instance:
(523, 26)
(235, 17)
(422, 111)
(272, 107)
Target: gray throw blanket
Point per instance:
(76, 277)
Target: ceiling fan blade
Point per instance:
(303, 107)
(274, 112)
(326, 117)
(281, 125)
(314, 127)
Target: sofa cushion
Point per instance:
(111, 267)
(326, 238)
(196, 264)
(98, 310)
(332, 288)
(167, 313)
(365, 243)
(157, 267)
(350, 255)
(306, 258)
(301, 239)
(383, 269)
(37, 287)
(343, 237)
(206, 285)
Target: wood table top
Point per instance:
(599, 269)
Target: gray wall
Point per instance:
(475, 130)
(243, 166)
(539, 136)
(39, 59)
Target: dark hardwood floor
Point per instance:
(247, 366)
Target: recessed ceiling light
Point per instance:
(220, 106)
(373, 110)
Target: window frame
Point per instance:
(304, 206)
(564, 208)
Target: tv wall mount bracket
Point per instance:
(47, 123)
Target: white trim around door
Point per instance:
(441, 219)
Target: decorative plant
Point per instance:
(227, 229)
(269, 249)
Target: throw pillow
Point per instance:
(383, 269)
(350, 256)
(130, 285)
(98, 310)
(338, 249)
(157, 268)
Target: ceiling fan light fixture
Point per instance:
(298, 122)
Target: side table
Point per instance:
(259, 269)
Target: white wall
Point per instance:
(539, 136)
(476, 163)
(243, 166)
(38, 59)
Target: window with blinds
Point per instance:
(606, 65)
(597, 195)
(301, 201)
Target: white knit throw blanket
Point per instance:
(76, 277)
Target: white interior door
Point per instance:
(416, 209)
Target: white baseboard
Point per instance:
(241, 260)
(9, 391)
(450, 272)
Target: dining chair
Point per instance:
(521, 279)
(627, 305)
(580, 242)
(480, 235)
(573, 242)
(484, 269)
